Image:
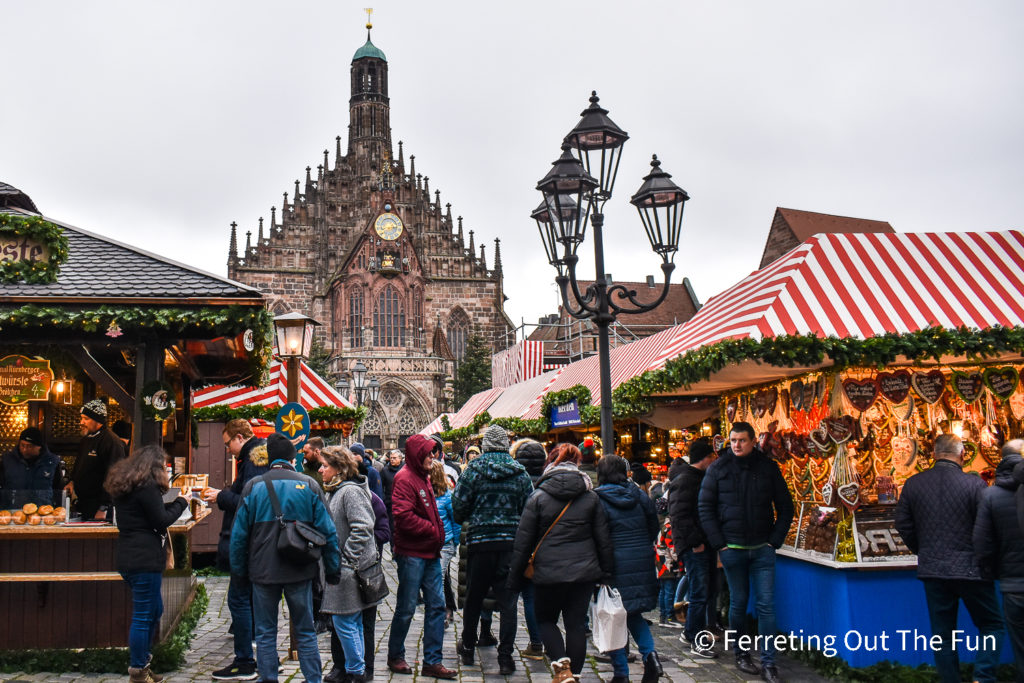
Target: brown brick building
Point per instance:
(367, 249)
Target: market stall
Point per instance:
(87, 320)
(849, 356)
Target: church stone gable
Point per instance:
(319, 254)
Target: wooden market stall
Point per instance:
(849, 355)
(97, 319)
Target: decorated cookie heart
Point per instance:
(929, 385)
(1017, 406)
(784, 399)
(895, 386)
(718, 442)
(1002, 381)
(861, 392)
(796, 395)
(849, 494)
(772, 396)
(730, 409)
(819, 437)
(904, 452)
(840, 429)
(759, 404)
(744, 406)
(827, 494)
(967, 385)
(810, 394)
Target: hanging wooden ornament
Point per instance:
(861, 393)
(929, 385)
(796, 394)
(894, 386)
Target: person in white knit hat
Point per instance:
(98, 450)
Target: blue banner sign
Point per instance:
(566, 415)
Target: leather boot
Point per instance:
(137, 675)
(652, 669)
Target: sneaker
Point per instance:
(669, 622)
(236, 671)
(705, 653)
(684, 640)
(534, 651)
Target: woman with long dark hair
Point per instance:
(564, 529)
(352, 511)
(633, 524)
(137, 485)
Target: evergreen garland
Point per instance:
(35, 229)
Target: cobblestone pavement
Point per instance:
(212, 649)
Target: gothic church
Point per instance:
(366, 249)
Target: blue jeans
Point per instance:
(265, 600)
(743, 567)
(641, 633)
(147, 607)
(414, 574)
(943, 597)
(532, 627)
(697, 572)
(240, 606)
(683, 589)
(349, 628)
(666, 596)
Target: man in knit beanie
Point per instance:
(490, 496)
(98, 450)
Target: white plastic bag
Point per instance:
(608, 620)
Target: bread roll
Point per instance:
(46, 510)
(35, 520)
(50, 520)
(19, 517)
(5, 517)
(30, 509)
(59, 513)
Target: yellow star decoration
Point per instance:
(291, 423)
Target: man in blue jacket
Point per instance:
(254, 555)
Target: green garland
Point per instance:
(35, 229)
(633, 397)
(225, 413)
(226, 321)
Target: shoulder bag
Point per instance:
(371, 582)
(528, 572)
(297, 542)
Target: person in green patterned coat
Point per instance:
(490, 496)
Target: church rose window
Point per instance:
(355, 318)
(389, 319)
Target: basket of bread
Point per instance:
(33, 515)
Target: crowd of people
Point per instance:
(550, 526)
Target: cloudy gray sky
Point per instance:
(159, 124)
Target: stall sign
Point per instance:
(566, 415)
(877, 538)
(22, 248)
(24, 379)
(293, 421)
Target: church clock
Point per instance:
(388, 226)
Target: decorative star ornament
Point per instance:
(291, 423)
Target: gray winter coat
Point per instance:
(352, 513)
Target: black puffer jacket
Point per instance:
(387, 482)
(633, 528)
(998, 539)
(744, 501)
(683, 491)
(252, 462)
(531, 455)
(142, 521)
(579, 547)
(935, 517)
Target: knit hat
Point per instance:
(438, 439)
(640, 474)
(587, 450)
(95, 410)
(700, 449)
(359, 449)
(495, 440)
(121, 429)
(32, 435)
(280, 448)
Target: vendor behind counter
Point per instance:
(30, 473)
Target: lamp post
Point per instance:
(359, 387)
(575, 191)
(294, 333)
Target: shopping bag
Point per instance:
(608, 620)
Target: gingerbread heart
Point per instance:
(839, 429)
(819, 437)
(929, 385)
(1017, 406)
(895, 386)
(849, 494)
(730, 409)
(759, 404)
(718, 442)
(784, 398)
(744, 406)
(904, 453)
(967, 385)
(796, 395)
(1002, 381)
(861, 393)
(810, 393)
(827, 494)
(772, 396)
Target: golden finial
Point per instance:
(369, 17)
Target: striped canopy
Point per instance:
(435, 427)
(314, 391)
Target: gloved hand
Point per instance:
(334, 579)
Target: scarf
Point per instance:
(333, 485)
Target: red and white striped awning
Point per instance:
(518, 399)
(517, 363)
(865, 285)
(315, 391)
(476, 404)
(435, 427)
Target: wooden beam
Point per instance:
(149, 366)
(99, 375)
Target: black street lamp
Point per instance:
(575, 190)
(359, 386)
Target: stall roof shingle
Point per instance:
(102, 268)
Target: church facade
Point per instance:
(366, 249)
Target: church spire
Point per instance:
(295, 201)
(462, 239)
(327, 163)
(497, 255)
(412, 165)
(472, 249)
(273, 220)
(337, 152)
(233, 244)
(369, 106)
(401, 157)
(248, 241)
(259, 241)
(483, 257)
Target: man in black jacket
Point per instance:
(30, 473)
(690, 541)
(999, 542)
(97, 453)
(745, 511)
(935, 517)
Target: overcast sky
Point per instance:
(159, 124)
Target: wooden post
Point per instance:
(149, 366)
